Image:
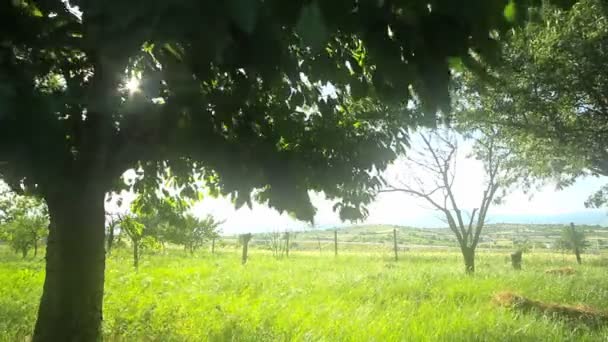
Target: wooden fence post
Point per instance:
(287, 244)
(395, 243)
(336, 242)
(245, 240)
(319, 240)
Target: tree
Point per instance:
(24, 233)
(431, 173)
(135, 230)
(192, 232)
(547, 93)
(112, 222)
(574, 240)
(23, 221)
(230, 91)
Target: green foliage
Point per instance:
(545, 97)
(24, 233)
(23, 221)
(134, 229)
(231, 92)
(192, 232)
(573, 239)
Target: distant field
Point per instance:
(378, 238)
(313, 296)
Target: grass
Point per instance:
(311, 297)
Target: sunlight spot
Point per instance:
(132, 85)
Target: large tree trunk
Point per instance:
(469, 259)
(71, 304)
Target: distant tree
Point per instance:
(112, 222)
(24, 233)
(573, 240)
(23, 221)
(192, 232)
(135, 230)
(429, 174)
(279, 243)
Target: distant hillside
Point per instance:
(500, 235)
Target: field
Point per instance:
(372, 238)
(425, 296)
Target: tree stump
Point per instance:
(516, 259)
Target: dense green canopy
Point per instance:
(548, 95)
(233, 86)
(281, 97)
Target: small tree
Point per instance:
(279, 243)
(431, 175)
(24, 233)
(194, 232)
(574, 240)
(135, 231)
(23, 221)
(112, 222)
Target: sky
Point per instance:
(542, 206)
(546, 205)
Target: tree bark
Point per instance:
(23, 253)
(395, 244)
(335, 242)
(469, 259)
(35, 248)
(71, 304)
(578, 256)
(136, 254)
(110, 238)
(516, 259)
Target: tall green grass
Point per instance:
(310, 297)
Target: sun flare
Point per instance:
(132, 85)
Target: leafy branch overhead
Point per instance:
(234, 89)
(273, 97)
(547, 95)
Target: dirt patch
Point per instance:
(561, 271)
(577, 313)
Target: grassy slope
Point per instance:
(494, 236)
(356, 297)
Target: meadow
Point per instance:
(425, 296)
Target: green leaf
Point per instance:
(510, 11)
